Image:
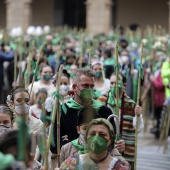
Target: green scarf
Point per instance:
(73, 104)
(109, 61)
(112, 102)
(5, 160)
(81, 149)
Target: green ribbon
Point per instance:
(26, 74)
(73, 104)
(118, 65)
(58, 95)
(96, 94)
(112, 101)
(141, 71)
(36, 69)
(6, 160)
(22, 137)
(109, 61)
(135, 83)
(41, 145)
(81, 149)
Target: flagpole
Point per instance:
(81, 51)
(117, 89)
(90, 61)
(29, 66)
(137, 103)
(15, 68)
(56, 106)
(35, 70)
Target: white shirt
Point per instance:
(39, 85)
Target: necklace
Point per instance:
(98, 161)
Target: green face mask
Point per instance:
(72, 74)
(113, 90)
(39, 102)
(47, 77)
(98, 74)
(86, 95)
(97, 144)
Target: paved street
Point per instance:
(150, 154)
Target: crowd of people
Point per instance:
(89, 91)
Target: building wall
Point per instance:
(2, 14)
(43, 12)
(142, 12)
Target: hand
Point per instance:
(138, 110)
(120, 145)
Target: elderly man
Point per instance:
(83, 83)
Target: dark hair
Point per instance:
(124, 41)
(16, 90)
(42, 90)
(4, 109)
(108, 53)
(86, 115)
(120, 75)
(66, 74)
(10, 139)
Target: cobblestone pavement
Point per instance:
(150, 154)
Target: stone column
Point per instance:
(169, 16)
(98, 15)
(18, 13)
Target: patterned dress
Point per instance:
(83, 162)
(127, 128)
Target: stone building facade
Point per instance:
(95, 15)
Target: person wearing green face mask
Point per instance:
(44, 82)
(78, 146)
(83, 80)
(36, 109)
(83, 83)
(102, 84)
(100, 142)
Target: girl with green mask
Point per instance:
(100, 142)
(36, 109)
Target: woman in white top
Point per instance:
(102, 84)
(19, 103)
(44, 82)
